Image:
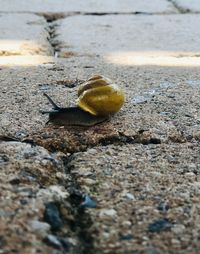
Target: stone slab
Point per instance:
(143, 169)
(24, 34)
(188, 5)
(30, 178)
(89, 6)
(160, 104)
(145, 184)
(127, 38)
(147, 197)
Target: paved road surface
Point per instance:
(130, 185)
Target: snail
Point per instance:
(98, 99)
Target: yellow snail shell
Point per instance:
(100, 96)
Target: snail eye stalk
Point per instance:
(52, 102)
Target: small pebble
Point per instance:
(44, 87)
(3, 158)
(166, 85)
(175, 242)
(21, 134)
(88, 203)
(163, 206)
(59, 191)
(159, 225)
(88, 181)
(52, 216)
(41, 228)
(127, 223)
(141, 99)
(178, 229)
(129, 196)
(53, 241)
(126, 237)
(108, 212)
(190, 174)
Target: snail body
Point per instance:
(98, 99)
(75, 116)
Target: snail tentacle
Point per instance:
(55, 106)
(48, 112)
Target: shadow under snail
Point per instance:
(98, 99)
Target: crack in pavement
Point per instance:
(82, 221)
(61, 15)
(52, 25)
(180, 9)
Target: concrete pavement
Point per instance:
(89, 6)
(130, 185)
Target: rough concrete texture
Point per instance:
(23, 163)
(135, 158)
(87, 6)
(129, 185)
(36, 211)
(156, 106)
(147, 197)
(31, 177)
(10, 60)
(113, 36)
(188, 5)
(30, 36)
